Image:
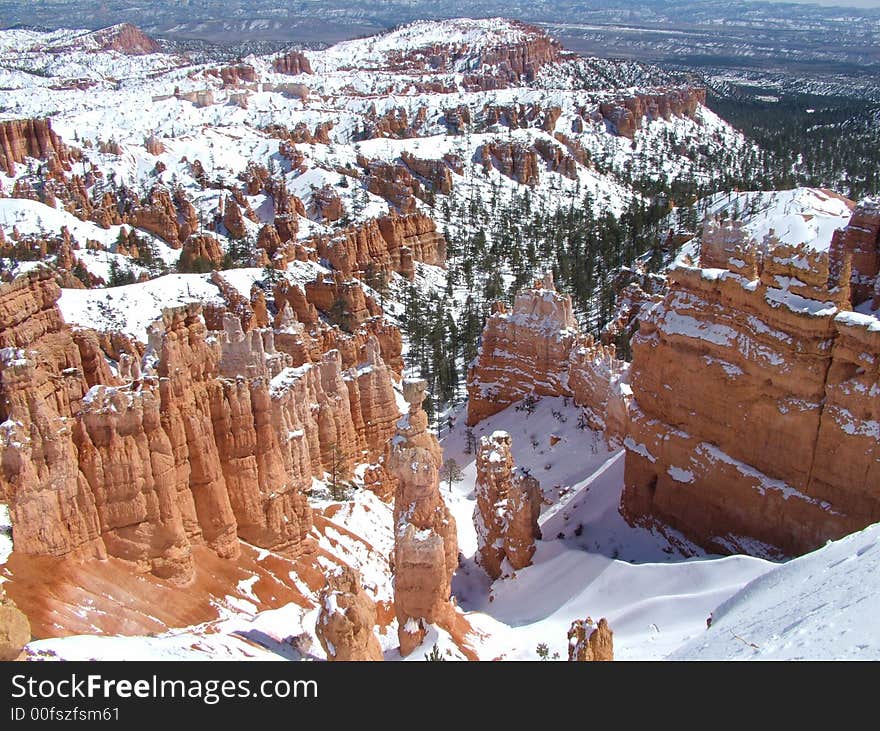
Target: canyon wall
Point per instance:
(23, 138)
(385, 245)
(753, 422)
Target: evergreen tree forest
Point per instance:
(820, 141)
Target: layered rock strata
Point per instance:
(385, 245)
(745, 378)
(590, 642)
(207, 440)
(24, 138)
(537, 349)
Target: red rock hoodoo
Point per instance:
(385, 245)
(23, 138)
(347, 618)
(425, 543)
(206, 441)
(590, 642)
(507, 510)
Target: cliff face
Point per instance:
(395, 184)
(385, 245)
(171, 218)
(205, 441)
(508, 507)
(198, 249)
(745, 378)
(515, 160)
(292, 63)
(859, 241)
(491, 66)
(626, 115)
(15, 630)
(425, 543)
(23, 138)
(537, 349)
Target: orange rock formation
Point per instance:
(347, 618)
(508, 507)
(589, 642)
(425, 544)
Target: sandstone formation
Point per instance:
(590, 642)
(859, 242)
(23, 138)
(199, 251)
(438, 173)
(625, 115)
(154, 145)
(744, 379)
(385, 245)
(171, 219)
(125, 38)
(208, 440)
(237, 74)
(512, 159)
(394, 183)
(15, 630)
(634, 289)
(557, 159)
(343, 299)
(346, 619)
(425, 544)
(507, 510)
(327, 204)
(292, 63)
(537, 349)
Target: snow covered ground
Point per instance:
(590, 563)
(797, 216)
(821, 606)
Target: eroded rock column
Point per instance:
(508, 506)
(425, 544)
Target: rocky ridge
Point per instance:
(537, 350)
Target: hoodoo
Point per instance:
(508, 506)
(425, 543)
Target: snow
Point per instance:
(858, 319)
(680, 475)
(816, 607)
(655, 598)
(799, 304)
(797, 216)
(133, 307)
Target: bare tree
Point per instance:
(451, 472)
